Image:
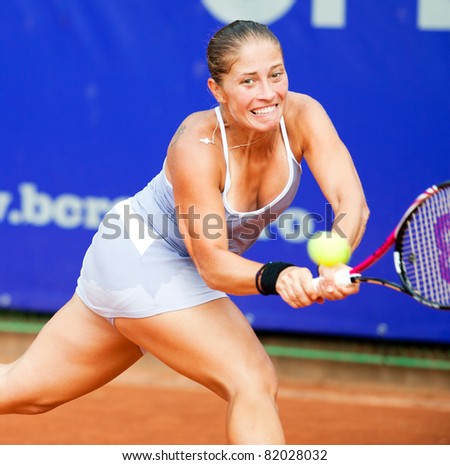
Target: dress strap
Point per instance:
(286, 140)
(225, 147)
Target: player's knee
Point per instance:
(15, 402)
(265, 380)
(17, 396)
(31, 407)
(259, 379)
(34, 408)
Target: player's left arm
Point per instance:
(333, 168)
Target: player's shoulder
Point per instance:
(195, 122)
(198, 117)
(302, 106)
(192, 148)
(305, 120)
(194, 127)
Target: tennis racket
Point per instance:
(421, 243)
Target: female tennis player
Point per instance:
(229, 171)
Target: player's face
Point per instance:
(256, 87)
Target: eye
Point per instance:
(277, 75)
(248, 81)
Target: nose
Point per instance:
(266, 91)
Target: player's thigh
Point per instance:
(212, 343)
(76, 352)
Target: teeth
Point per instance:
(263, 111)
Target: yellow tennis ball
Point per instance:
(329, 249)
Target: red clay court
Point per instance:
(321, 402)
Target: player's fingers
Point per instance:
(310, 290)
(350, 289)
(296, 299)
(295, 287)
(283, 287)
(331, 291)
(305, 289)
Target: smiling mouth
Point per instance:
(264, 110)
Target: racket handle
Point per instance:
(341, 278)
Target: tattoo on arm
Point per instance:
(177, 135)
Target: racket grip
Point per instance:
(341, 278)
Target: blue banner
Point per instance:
(92, 91)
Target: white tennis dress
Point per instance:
(137, 264)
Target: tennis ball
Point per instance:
(329, 249)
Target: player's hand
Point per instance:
(295, 287)
(327, 286)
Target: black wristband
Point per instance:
(267, 275)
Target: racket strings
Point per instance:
(425, 249)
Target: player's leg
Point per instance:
(75, 353)
(214, 345)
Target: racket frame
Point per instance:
(394, 239)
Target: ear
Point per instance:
(216, 90)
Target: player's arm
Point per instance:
(196, 175)
(333, 168)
